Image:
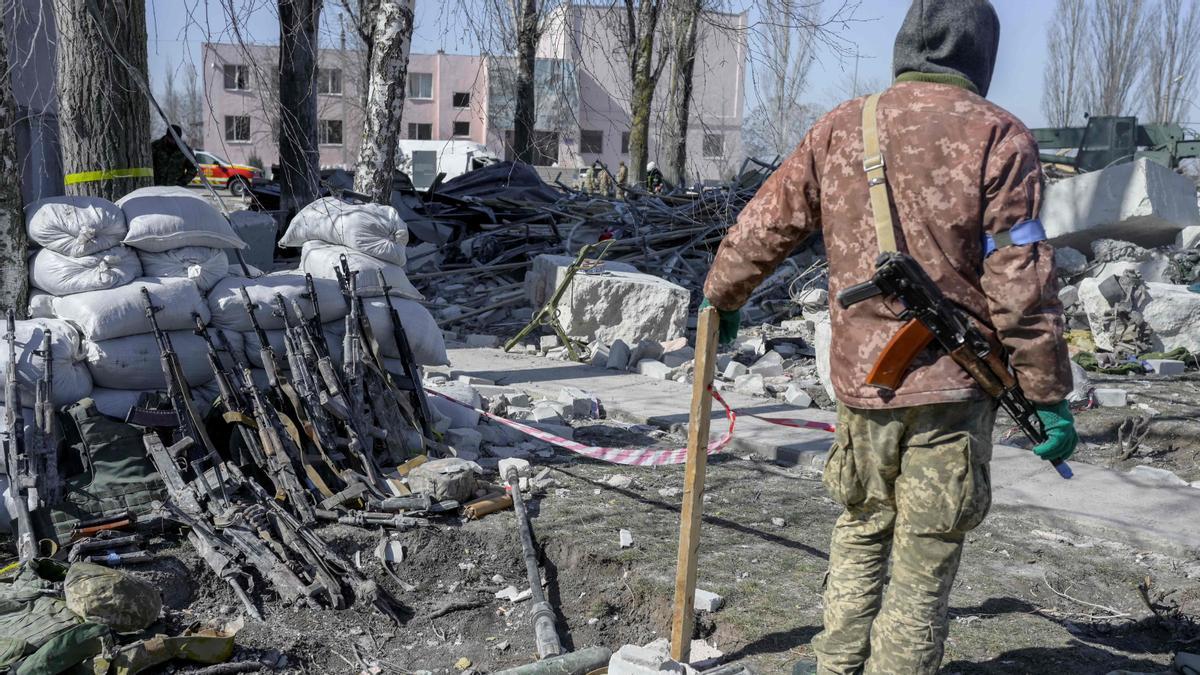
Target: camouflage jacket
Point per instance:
(957, 167)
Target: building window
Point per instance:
(714, 145)
(237, 78)
(624, 142)
(420, 85)
(420, 131)
(329, 81)
(329, 132)
(462, 99)
(237, 128)
(545, 147)
(462, 128)
(591, 141)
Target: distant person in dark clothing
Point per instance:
(654, 178)
(171, 165)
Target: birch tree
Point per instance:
(103, 114)
(640, 25)
(1173, 52)
(14, 275)
(391, 27)
(1118, 46)
(298, 155)
(784, 50)
(685, 16)
(1062, 83)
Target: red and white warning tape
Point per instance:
(635, 456)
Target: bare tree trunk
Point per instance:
(1174, 55)
(298, 156)
(103, 116)
(1118, 54)
(529, 31)
(14, 275)
(1067, 36)
(391, 38)
(679, 101)
(644, 75)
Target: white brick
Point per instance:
(707, 601)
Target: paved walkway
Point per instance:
(1097, 502)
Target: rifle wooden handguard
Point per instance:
(899, 353)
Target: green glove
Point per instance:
(1061, 438)
(729, 322)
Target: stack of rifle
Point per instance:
(307, 445)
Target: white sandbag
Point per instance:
(58, 274)
(253, 348)
(75, 226)
(117, 402)
(374, 229)
(228, 310)
(132, 362)
(117, 312)
(165, 217)
(424, 336)
(320, 260)
(202, 264)
(41, 304)
(70, 380)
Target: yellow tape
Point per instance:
(108, 174)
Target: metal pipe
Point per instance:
(581, 662)
(543, 615)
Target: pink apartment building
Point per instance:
(582, 86)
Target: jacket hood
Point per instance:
(949, 38)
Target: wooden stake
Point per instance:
(693, 487)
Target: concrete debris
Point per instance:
(751, 384)
(485, 341)
(797, 396)
(1188, 237)
(1069, 261)
(466, 440)
(770, 365)
(1157, 475)
(548, 271)
(1171, 316)
(653, 659)
(618, 481)
(618, 355)
(655, 369)
(707, 601)
(625, 538)
(1166, 366)
(735, 370)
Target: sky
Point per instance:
(178, 27)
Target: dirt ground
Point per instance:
(1027, 600)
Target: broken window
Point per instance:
(419, 131)
(237, 78)
(591, 141)
(462, 99)
(714, 145)
(237, 128)
(462, 128)
(420, 85)
(329, 81)
(329, 132)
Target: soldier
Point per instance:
(171, 166)
(911, 468)
(589, 184)
(654, 178)
(622, 178)
(604, 184)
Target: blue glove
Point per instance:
(728, 323)
(1061, 437)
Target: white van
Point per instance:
(423, 160)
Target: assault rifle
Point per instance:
(234, 409)
(21, 480)
(932, 317)
(412, 378)
(44, 449)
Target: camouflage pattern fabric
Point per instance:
(958, 166)
(913, 482)
(109, 596)
(171, 166)
(622, 179)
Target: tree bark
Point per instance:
(679, 101)
(525, 114)
(298, 155)
(391, 39)
(14, 274)
(644, 75)
(103, 115)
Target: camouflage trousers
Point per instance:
(913, 482)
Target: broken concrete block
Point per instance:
(823, 339)
(796, 396)
(1069, 261)
(813, 297)
(626, 305)
(1110, 398)
(548, 271)
(678, 356)
(466, 440)
(645, 349)
(1097, 296)
(735, 370)
(618, 481)
(547, 413)
(578, 403)
(707, 601)
(475, 381)
(486, 341)
(793, 326)
(521, 466)
(507, 451)
(1068, 295)
(547, 342)
(618, 355)
(560, 430)
(1166, 366)
(1141, 201)
(1156, 474)
(1188, 237)
(751, 384)
(625, 538)
(655, 369)
(1171, 313)
(460, 417)
(770, 365)
(599, 357)
(653, 659)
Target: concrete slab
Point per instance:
(1098, 502)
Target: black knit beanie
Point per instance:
(949, 37)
